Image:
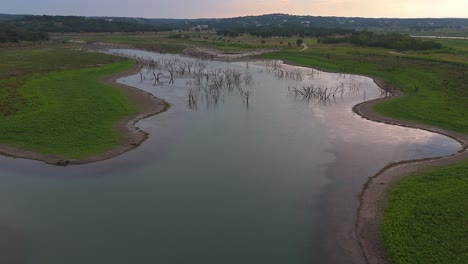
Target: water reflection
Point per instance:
(276, 182)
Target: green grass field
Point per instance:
(176, 42)
(20, 61)
(66, 113)
(426, 220)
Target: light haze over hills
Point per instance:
(224, 8)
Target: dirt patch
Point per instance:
(395, 53)
(110, 45)
(209, 53)
(132, 136)
(374, 197)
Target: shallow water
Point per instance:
(275, 181)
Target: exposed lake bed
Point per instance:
(274, 181)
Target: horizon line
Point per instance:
(230, 17)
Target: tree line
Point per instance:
(283, 31)
(400, 42)
(65, 24)
(11, 33)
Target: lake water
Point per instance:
(438, 37)
(274, 181)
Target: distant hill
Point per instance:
(4, 17)
(80, 24)
(11, 33)
(307, 21)
(270, 23)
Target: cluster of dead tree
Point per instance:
(279, 69)
(210, 86)
(164, 71)
(206, 84)
(318, 94)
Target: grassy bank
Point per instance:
(426, 220)
(54, 103)
(40, 59)
(176, 42)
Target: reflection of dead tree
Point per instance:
(157, 78)
(192, 102)
(189, 65)
(354, 87)
(282, 72)
(181, 67)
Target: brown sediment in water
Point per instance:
(374, 196)
(132, 136)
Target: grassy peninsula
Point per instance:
(52, 102)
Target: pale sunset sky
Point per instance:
(232, 8)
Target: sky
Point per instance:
(233, 8)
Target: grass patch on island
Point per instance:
(426, 220)
(61, 108)
(21, 61)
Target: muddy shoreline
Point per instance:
(374, 196)
(132, 136)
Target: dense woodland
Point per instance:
(285, 20)
(283, 31)
(11, 33)
(14, 28)
(394, 41)
(64, 24)
(280, 20)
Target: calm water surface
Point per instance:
(276, 181)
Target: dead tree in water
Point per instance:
(317, 94)
(245, 95)
(189, 65)
(208, 85)
(200, 66)
(171, 70)
(192, 102)
(157, 78)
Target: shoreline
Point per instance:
(132, 136)
(374, 196)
